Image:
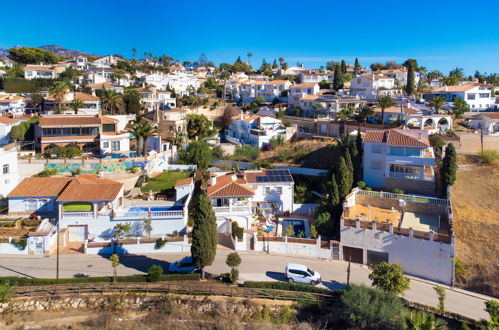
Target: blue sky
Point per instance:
(440, 34)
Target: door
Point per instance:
(39, 245)
(353, 254)
(77, 233)
(374, 257)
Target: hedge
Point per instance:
(24, 281)
(286, 286)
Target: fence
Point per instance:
(408, 198)
(192, 288)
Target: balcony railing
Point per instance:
(232, 208)
(75, 215)
(147, 214)
(409, 176)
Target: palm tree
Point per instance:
(58, 91)
(134, 52)
(112, 102)
(424, 321)
(119, 75)
(249, 58)
(142, 130)
(437, 102)
(77, 104)
(137, 132)
(384, 102)
(343, 141)
(281, 61)
(365, 112)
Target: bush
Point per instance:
(389, 277)
(286, 286)
(398, 191)
(48, 172)
(234, 275)
(364, 307)
(489, 156)
(141, 180)
(5, 292)
(159, 243)
(20, 243)
(246, 153)
(175, 233)
(62, 152)
(7, 224)
(236, 230)
(30, 222)
(287, 123)
(285, 154)
(154, 273)
(277, 141)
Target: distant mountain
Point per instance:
(64, 52)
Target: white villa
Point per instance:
(310, 76)
(6, 125)
(92, 104)
(39, 71)
(255, 130)
(11, 103)
(477, 96)
(372, 85)
(237, 196)
(247, 91)
(488, 121)
(399, 158)
(182, 82)
(296, 92)
(9, 177)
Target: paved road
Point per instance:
(255, 267)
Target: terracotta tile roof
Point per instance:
(400, 109)
(398, 137)
(309, 97)
(68, 120)
(87, 187)
(231, 189)
(40, 187)
(304, 85)
(8, 121)
(109, 120)
(456, 88)
(491, 115)
(101, 85)
(38, 67)
(77, 95)
(246, 118)
(11, 98)
(278, 82)
(183, 182)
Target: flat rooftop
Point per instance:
(378, 214)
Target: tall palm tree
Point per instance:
(343, 141)
(58, 91)
(384, 102)
(437, 102)
(134, 52)
(77, 104)
(142, 130)
(137, 132)
(281, 61)
(119, 75)
(112, 102)
(424, 321)
(249, 58)
(365, 112)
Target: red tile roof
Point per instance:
(69, 120)
(87, 187)
(40, 187)
(397, 137)
(232, 189)
(8, 121)
(183, 182)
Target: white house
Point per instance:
(6, 125)
(328, 104)
(254, 130)
(11, 103)
(80, 63)
(153, 99)
(105, 61)
(9, 176)
(399, 229)
(247, 91)
(400, 75)
(182, 82)
(372, 85)
(477, 96)
(91, 104)
(298, 91)
(39, 71)
(309, 76)
(236, 196)
(487, 121)
(399, 158)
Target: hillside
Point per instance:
(65, 52)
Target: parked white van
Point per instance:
(301, 274)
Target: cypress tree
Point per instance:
(357, 66)
(204, 234)
(338, 77)
(343, 66)
(358, 142)
(356, 161)
(274, 64)
(411, 84)
(448, 169)
(344, 178)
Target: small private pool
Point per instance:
(155, 208)
(118, 155)
(299, 226)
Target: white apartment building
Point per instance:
(6, 125)
(477, 96)
(372, 85)
(9, 176)
(237, 196)
(153, 99)
(296, 92)
(254, 130)
(80, 63)
(247, 91)
(182, 82)
(309, 76)
(399, 158)
(487, 121)
(92, 104)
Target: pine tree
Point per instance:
(344, 178)
(411, 84)
(204, 234)
(274, 64)
(357, 66)
(343, 66)
(448, 169)
(349, 162)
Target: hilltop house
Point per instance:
(9, 176)
(236, 196)
(92, 105)
(487, 121)
(90, 206)
(372, 85)
(89, 133)
(256, 130)
(39, 71)
(399, 158)
(296, 92)
(310, 76)
(477, 96)
(415, 232)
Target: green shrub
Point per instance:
(175, 233)
(286, 286)
(62, 152)
(48, 172)
(5, 292)
(154, 273)
(20, 243)
(287, 123)
(236, 230)
(361, 184)
(368, 188)
(30, 222)
(234, 275)
(285, 154)
(489, 156)
(159, 243)
(7, 224)
(398, 191)
(246, 153)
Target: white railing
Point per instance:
(104, 213)
(147, 214)
(73, 215)
(410, 176)
(409, 198)
(229, 209)
(165, 214)
(221, 209)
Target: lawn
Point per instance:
(77, 207)
(165, 181)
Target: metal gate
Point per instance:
(374, 257)
(77, 233)
(353, 254)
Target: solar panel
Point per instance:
(275, 176)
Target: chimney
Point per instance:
(213, 180)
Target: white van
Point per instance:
(301, 274)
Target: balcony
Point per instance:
(426, 174)
(238, 207)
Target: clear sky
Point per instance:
(440, 34)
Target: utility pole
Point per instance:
(481, 138)
(348, 271)
(57, 271)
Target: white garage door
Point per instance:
(77, 233)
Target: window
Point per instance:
(108, 128)
(6, 169)
(376, 149)
(405, 152)
(484, 95)
(115, 145)
(267, 191)
(279, 190)
(471, 96)
(375, 165)
(105, 144)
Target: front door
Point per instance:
(77, 233)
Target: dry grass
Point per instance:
(475, 202)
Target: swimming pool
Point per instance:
(124, 154)
(155, 208)
(299, 226)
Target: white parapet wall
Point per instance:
(9, 248)
(181, 246)
(425, 258)
(294, 246)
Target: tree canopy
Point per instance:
(29, 55)
(198, 126)
(198, 153)
(389, 277)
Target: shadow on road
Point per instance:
(276, 276)
(141, 263)
(333, 285)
